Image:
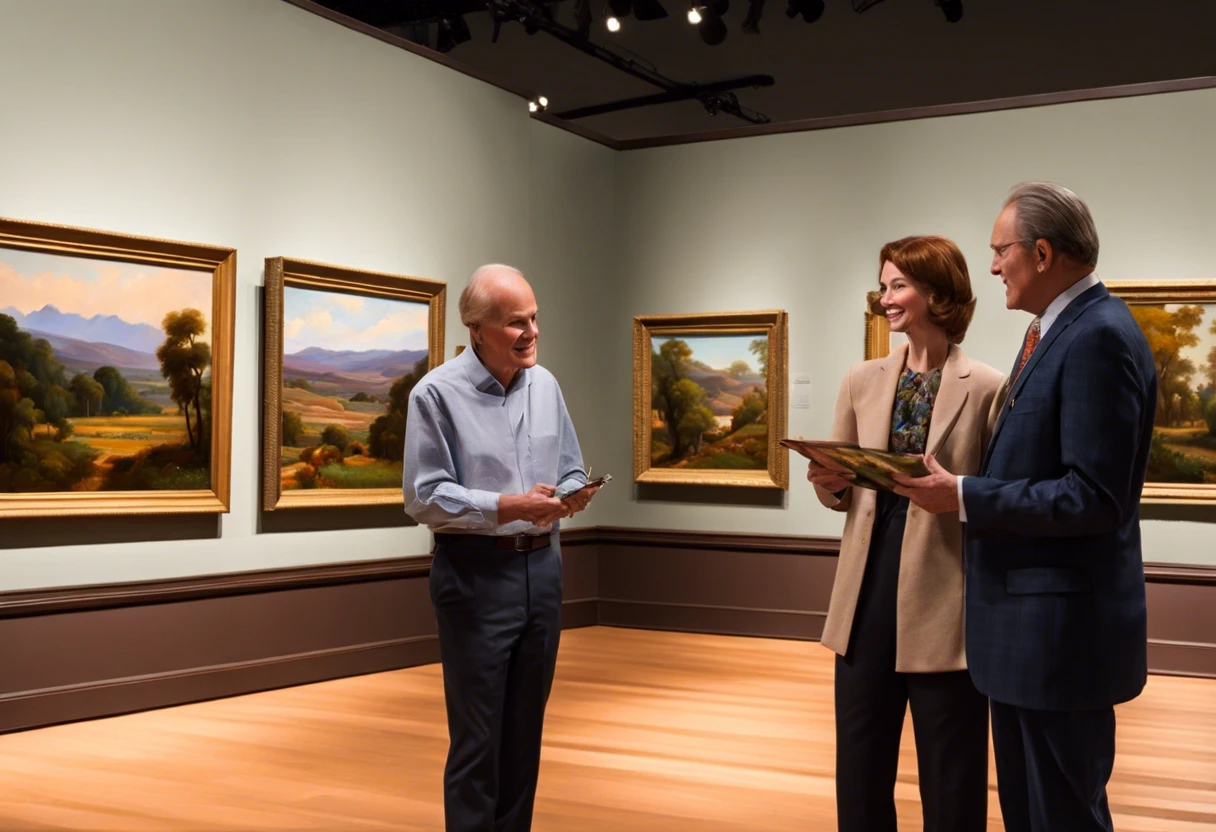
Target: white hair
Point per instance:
(476, 301)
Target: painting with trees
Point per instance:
(106, 373)
(709, 399)
(344, 350)
(1179, 322)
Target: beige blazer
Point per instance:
(929, 601)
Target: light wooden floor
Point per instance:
(646, 732)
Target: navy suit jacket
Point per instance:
(1055, 580)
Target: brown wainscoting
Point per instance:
(82, 652)
(706, 582)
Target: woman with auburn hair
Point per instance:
(896, 616)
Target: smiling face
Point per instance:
(1014, 264)
(506, 340)
(903, 304)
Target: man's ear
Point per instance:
(1043, 255)
(475, 332)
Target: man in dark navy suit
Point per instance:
(1056, 623)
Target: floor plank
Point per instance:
(646, 732)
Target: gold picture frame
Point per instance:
(144, 430)
(738, 437)
(1182, 462)
(382, 302)
(878, 336)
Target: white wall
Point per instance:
(256, 125)
(796, 222)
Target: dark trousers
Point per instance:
(1052, 768)
(949, 716)
(499, 616)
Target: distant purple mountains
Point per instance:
(350, 371)
(99, 329)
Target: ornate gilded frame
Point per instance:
(282, 272)
(878, 336)
(1161, 292)
(772, 324)
(220, 263)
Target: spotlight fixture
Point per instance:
(811, 10)
(751, 23)
(711, 28)
(538, 104)
(952, 9)
(451, 31)
(694, 13)
(612, 23)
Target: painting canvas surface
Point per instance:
(709, 401)
(1182, 338)
(105, 375)
(349, 364)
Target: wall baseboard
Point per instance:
(85, 652)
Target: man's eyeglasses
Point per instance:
(1000, 250)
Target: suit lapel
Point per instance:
(951, 397)
(1071, 312)
(877, 402)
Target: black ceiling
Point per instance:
(897, 54)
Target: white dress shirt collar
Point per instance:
(1062, 300)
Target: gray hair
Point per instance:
(1047, 211)
(476, 303)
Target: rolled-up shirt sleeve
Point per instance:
(430, 484)
(571, 475)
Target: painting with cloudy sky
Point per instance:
(349, 361)
(104, 374)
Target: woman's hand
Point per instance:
(832, 480)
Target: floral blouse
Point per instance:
(913, 407)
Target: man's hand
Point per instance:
(936, 493)
(539, 506)
(579, 500)
(830, 478)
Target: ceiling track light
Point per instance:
(751, 23)
(694, 13)
(712, 28)
(538, 104)
(811, 10)
(952, 9)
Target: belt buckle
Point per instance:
(522, 543)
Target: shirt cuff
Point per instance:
(568, 487)
(487, 503)
(962, 507)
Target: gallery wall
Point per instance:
(259, 126)
(796, 221)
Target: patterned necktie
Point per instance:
(1032, 341)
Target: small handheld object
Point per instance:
(590, 484)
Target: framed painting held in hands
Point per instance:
(709, 399)
(115, 373)
(1178, 319)
(343, 350)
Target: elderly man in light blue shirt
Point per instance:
(492, 464)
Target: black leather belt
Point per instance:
(508, 542)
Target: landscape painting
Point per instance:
(348, 354)
(1182, 338)
(715, 403)
(106, 374)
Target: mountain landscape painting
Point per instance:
(709, 401)
(105, 375)
(349, 363)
